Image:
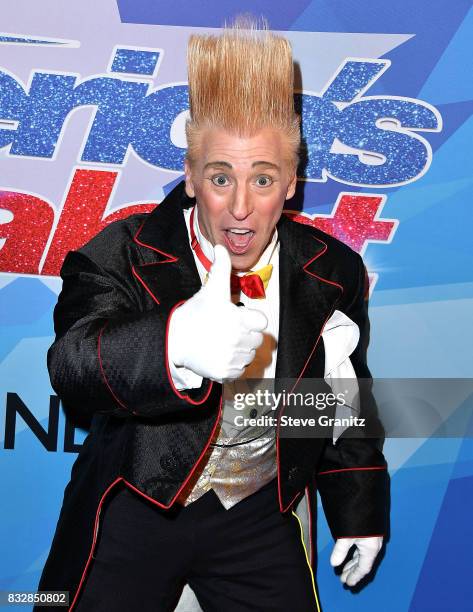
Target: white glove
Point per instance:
(366, 552)
(211, 336)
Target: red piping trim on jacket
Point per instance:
(120, 478)
(94, 539)
(171, 258)
(304, 367)
(353, 469)
(119, 402)
(217, 420)
(135, 273)
(171, 382)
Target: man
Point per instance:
(158, 317)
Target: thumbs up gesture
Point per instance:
(211, 336)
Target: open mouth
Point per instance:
(238, 239)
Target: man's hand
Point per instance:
(211, 336)
(360, 565)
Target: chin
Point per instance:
(243, 263)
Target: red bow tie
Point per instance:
(251, 284)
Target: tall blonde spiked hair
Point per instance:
(241, 81)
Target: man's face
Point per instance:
(240, 185)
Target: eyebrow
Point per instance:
(265, 163)
(225, 164)
(214, 164)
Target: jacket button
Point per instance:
(293, 472)
(168, 462)
(253, 413)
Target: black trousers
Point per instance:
(250, 557)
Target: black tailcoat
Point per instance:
(108, 364)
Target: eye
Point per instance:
(221, 180)
(264, 180)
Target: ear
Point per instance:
(291, 188)
(190, 191)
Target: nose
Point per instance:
(240, 204)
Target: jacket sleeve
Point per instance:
(352, 476)
(109, 356)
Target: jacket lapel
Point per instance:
(307, 299)
(169, 274)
